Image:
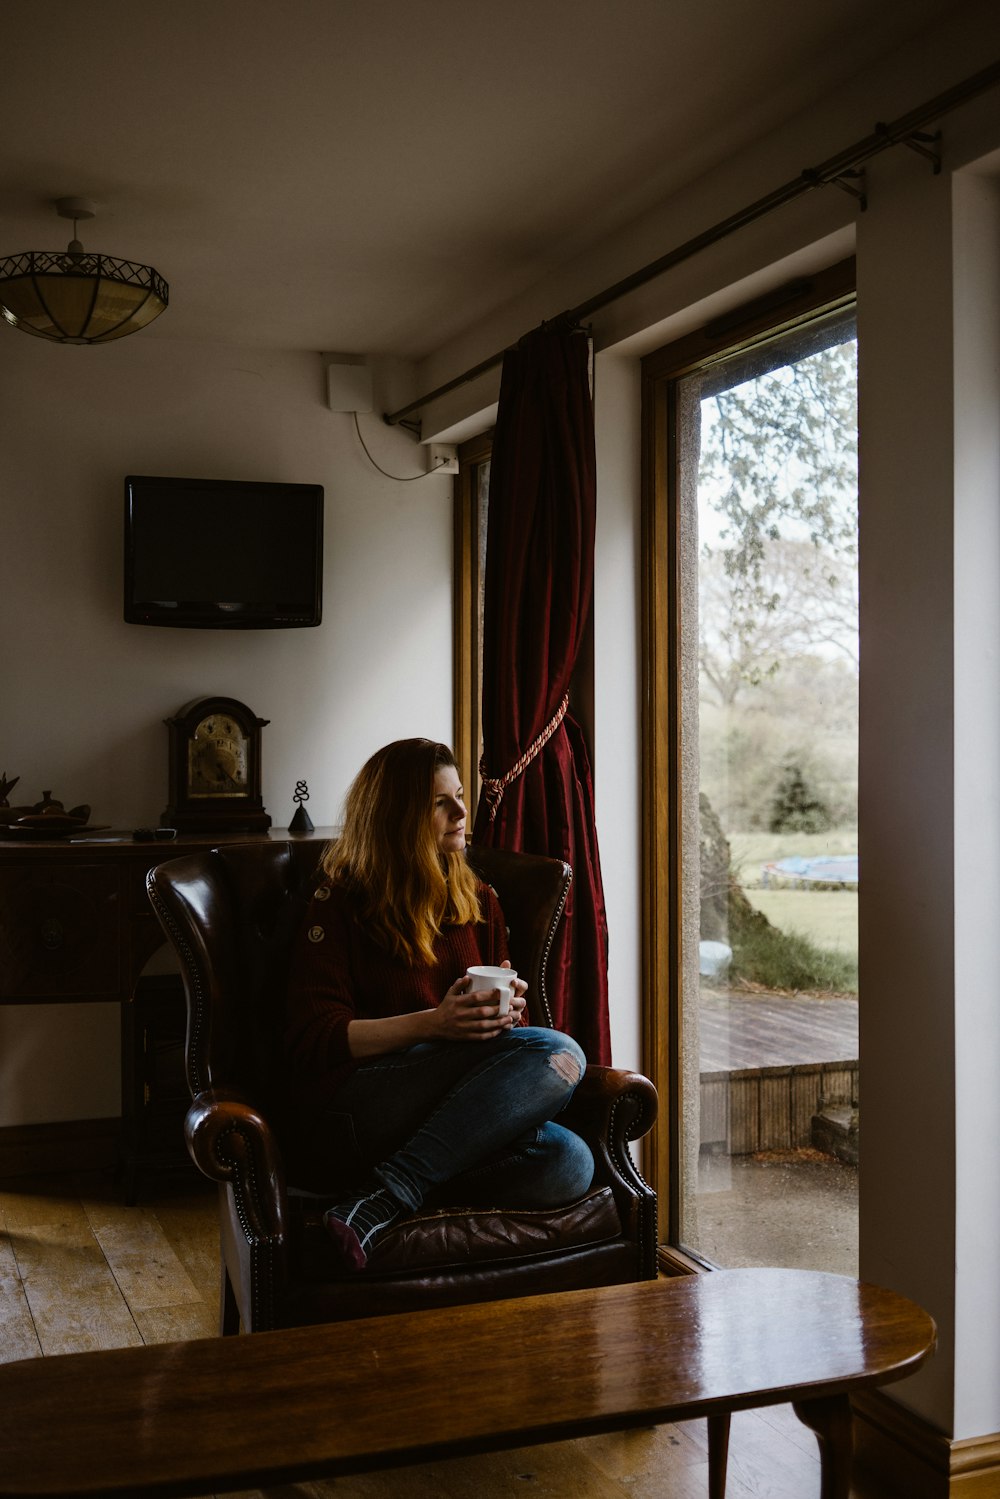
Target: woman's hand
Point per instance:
(464, 1014)
(467, 1014)
(517, 999)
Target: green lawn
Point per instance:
(827, 917)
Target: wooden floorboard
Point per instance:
(18, 1338)
(140, 1257)
(79, 1270)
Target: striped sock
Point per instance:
(356, 1225)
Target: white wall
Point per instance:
(929, 381)
(617, 741)
(906, 801)
(83, 695)
(977, 790)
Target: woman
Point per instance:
(410, 1073)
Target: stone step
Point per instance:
(835, 1131)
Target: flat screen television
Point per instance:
(211, 554)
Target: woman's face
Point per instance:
(448, 816)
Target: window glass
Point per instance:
(767, 525)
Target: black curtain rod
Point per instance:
(837, 169)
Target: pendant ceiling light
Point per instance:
(74, 297)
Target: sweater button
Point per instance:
(323, 893)
(316, 934)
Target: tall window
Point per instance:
(752, 632)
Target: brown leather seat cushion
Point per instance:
(456, 1237)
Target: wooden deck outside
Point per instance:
(769, 1063)
(774, 1030)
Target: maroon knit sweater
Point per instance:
(339, 974)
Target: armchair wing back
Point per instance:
(231, 915)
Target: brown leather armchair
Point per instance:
(230, 915)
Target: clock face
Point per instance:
(217, 758)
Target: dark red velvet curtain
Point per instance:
(539, 797)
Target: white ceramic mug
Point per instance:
(495, 978)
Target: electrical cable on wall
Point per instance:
(397, 478)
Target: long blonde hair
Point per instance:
(405, 890)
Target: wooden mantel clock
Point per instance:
(215, 769)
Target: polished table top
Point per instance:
(233, 1413)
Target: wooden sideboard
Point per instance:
(75, 921)
(76, 926)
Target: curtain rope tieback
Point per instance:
(494, 787)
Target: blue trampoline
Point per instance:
(834, 869)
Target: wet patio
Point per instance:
(765, 1195)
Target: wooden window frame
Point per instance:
(467, 644)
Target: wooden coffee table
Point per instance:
(310, 1402)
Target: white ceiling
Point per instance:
(372, 176)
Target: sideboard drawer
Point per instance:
(59, 931)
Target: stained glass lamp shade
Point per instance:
(75, 297)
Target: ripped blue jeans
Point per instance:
(475, 1117)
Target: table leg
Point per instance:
(830, 1419)
(718, 1455)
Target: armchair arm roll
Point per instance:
(613, 1103)
(610, 1107)
(230, 1142)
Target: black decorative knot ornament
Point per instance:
(301, 822)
